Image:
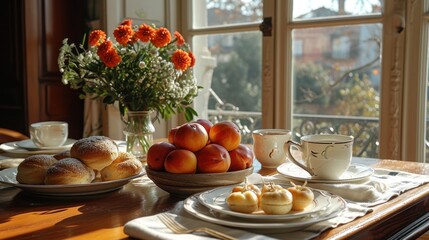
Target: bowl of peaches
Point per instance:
(199, 156)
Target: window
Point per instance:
(336, 88)
(227, 33)
(328, 66)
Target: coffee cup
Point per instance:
(325, 156)
(49, 134)
(268, 146)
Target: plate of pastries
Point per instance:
(93, 165)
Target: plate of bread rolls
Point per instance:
(93, 165)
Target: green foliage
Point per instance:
(314, 93)
(361, 99)
(238, 80)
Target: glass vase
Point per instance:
(138, 131)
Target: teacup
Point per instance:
(49, 134)
(268, 146)
(325, 156)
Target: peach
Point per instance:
(180, 161)
(157, 153)
(191, 136)
(241, 158)
(225, 133)
(205, 123)
(171, 134)
(213, 158)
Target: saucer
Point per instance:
(12, 149)
(356, 172)
(29, 145)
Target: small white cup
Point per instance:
(325, 156)
(268, 146)
(49, 134)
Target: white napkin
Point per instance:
(151, 227)
(381, 186)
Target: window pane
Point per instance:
(336, 79)
(221, 12)
(311, 9)
(236, 79)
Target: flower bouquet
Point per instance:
(145, 69)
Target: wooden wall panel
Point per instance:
(60, 19)
(48, 22)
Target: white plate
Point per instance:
(193, 206)
(215, 200)
(8, 177)
(29, 145)
(356, 172)
(13, 148)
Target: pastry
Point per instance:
(33, 169)
(69, 171)
(125, 165)
(97, 152)
(244, 202)
(276, 200)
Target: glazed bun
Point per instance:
(125, 165)
(33, 169)
(97, 152)
(61, 155)
(69, 171)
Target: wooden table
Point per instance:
(26, 216)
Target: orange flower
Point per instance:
(181, 60)
(104, 48)
(127, 22)
(108, 55)
(161, 37)
(96, 37)
(111, 58)
(134, 39)
(180, 39)
(123, 34)
(145, 33)
(191, 55)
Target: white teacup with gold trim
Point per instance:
(49, 134)
(324, 156)
(268, 146)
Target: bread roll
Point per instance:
(97, 152)
(61, 155)
(33, 169)
(125, 165)
(69, 171)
